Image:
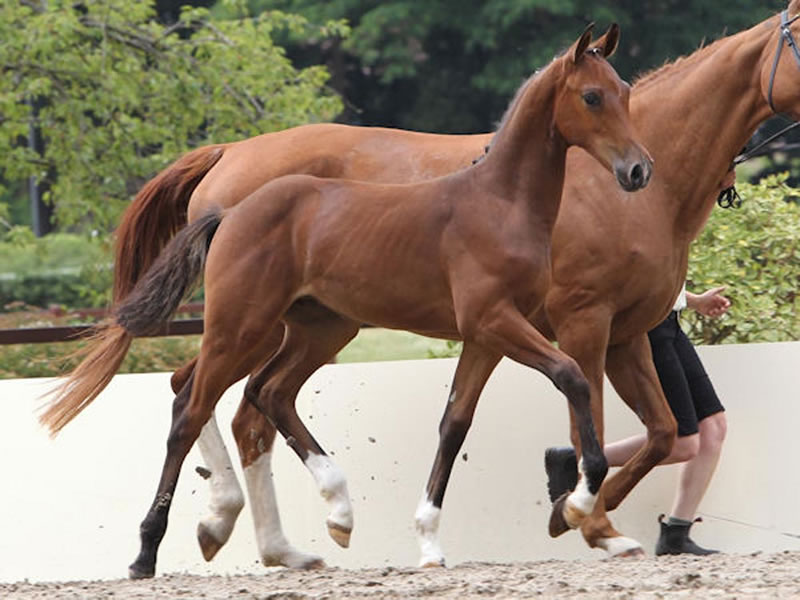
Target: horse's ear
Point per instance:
(582, 44)
(608, 42)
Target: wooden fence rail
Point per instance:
(69, 333)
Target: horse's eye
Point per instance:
(592, 99)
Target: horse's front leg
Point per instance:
(474, 368)
(504, 329)
(585, 336)
(632, 372)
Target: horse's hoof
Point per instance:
(339, 534)
(631, 553)
(558, 524)
(209, 545)
(295, 560)
(433, 564)
(314, 563)
(136, 572)
(620, 547)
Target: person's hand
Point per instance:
(710, 303)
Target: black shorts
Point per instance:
(686, 384)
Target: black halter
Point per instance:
(728, 197)
(786, 36)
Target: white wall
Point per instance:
(71, 507)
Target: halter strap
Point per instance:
(729, 198)
(786, 36)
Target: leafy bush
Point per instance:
(63, 269)
(755, 250)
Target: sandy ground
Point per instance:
(722, 576)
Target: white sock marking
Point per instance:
(618, 545)
(273, 547)
(426, 520)
(581, 498)
(333, 487)
(226, 498)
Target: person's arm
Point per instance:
(710, 303)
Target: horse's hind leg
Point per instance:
(191, 409)
(473, 370)
(255, 437)
(226, 499)
(314, 335)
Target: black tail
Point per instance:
(152, 302)
(173, 275)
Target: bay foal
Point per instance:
(464, 256)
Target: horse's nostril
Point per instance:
(637, 175)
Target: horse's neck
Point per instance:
(697, 117)
(527, 153)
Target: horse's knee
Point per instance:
(569, 378)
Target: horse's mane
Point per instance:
(519, 93)
(516, 99)
(670, 68)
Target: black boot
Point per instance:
(674, 539)
(561, 465)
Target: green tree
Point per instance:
(121, 95)
(452, 65)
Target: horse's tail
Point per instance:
(156, 214)
(152, 302)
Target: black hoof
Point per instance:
(137, 572)
(561, 465)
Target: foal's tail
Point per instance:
(156, 214)
(152, 302)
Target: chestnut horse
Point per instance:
(469, 255)
(617, 264)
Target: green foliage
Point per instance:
(117, 95)
(452, 65)
(755, 251)
(62, 269)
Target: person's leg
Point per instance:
(685, 449)
(695, 474)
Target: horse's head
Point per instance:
(780, 75)
(592, 110)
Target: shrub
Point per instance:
(755, 250)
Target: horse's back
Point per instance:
(332, 151)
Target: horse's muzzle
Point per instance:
(635, 175)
